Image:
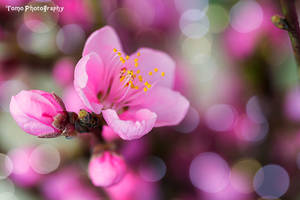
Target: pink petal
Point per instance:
(88, 82)
(169, 105)
(29, 124)
(102, 40)
(106, 169)
(72, 100)
(131, 125)
(108, 134)
(150, 59)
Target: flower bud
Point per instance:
(106, 169)
(38, 113)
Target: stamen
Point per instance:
(155, 70)
(163, 74)
(138, 54)
(150, 73)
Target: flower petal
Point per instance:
(150, 59)
(29, 124)
(130, 125)
(169, 105)
(89, 73)
(72, 101)
(102, 40)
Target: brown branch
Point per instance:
(290, 23)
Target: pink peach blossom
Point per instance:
(134, 93)
(34, 112)
(106, 169)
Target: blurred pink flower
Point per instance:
(67, 184)
(34, 112)
(106, 169)
(134, 93)
(63, 72)
(132, 187)
(76, 12)
(23, 174)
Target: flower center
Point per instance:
(131, 76)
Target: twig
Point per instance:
(290, 23)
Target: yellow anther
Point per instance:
(138, 54)
(121, 58)
(122, 78)
(136, 87)
(155, 70)
(140, 78)
(146, 83)
(119, 54)
(115, 50)
(135, 60)
(150, 73)
(145, 89)
(132, 86)
(127, 57)
(130, 72)
(136, 64)
(163, 74)
(138, 71)
(149, 86)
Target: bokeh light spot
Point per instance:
(70, 38)
(6, 166)
(194, 23)
(209, 172)
(44, 159)
(220, 117)
(183, 5)
(190, 122)
(153, 170)
(242, 174)
(246, 16)
(271, 181)
(218, 18)
(254, 111)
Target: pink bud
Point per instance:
(106, 169)
(37, 112)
